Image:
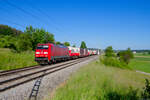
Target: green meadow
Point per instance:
(142, 54)
(10, 60)
(96, 81)
(141, 62)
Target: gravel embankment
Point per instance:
(49, 83)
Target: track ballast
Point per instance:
(17, 77)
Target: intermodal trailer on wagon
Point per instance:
(74, 52)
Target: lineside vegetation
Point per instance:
(23, 41)
(121, 59)
(10, 60)
(95, 81)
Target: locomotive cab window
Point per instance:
(42, 47)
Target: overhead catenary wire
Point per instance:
(44, 13)
(27, 12)
(21, 9)
(51, 19)
(11, 22)
(35, 16)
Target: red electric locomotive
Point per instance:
(50, 53)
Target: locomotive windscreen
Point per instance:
(42, 47)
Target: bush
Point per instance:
(125, 56)
(146, 93)
(131, 94)
(7, 41)
(23, 43)
(16, 44)
(149, 52)
(112, 61)
(109, 52)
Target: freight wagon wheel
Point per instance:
(54, 61)
(49, 62)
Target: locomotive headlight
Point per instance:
(37, 52)
(45, 52)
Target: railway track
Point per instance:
(13, 78)
(9, 72)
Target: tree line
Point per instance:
(22, 41)
(19, 41)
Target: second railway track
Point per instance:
(10, 79)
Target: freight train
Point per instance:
(51, 53)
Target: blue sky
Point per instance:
(100, 23)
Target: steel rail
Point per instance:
(8, 72)
(52, 70)
(32, 73)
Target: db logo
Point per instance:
(41, 52)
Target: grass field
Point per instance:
(141, 54)
(10, 60)
(141, 62)
(97, 82)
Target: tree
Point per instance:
(30, 30)
(149, 52)
(66, 43)
(7, 30)
(7, 41)
(74, 45)
(126, 55)
(49, 38)
(39, 36)
(24, 43)
(19, 41)
(109, 52)
(58, 43)
(83, 45)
